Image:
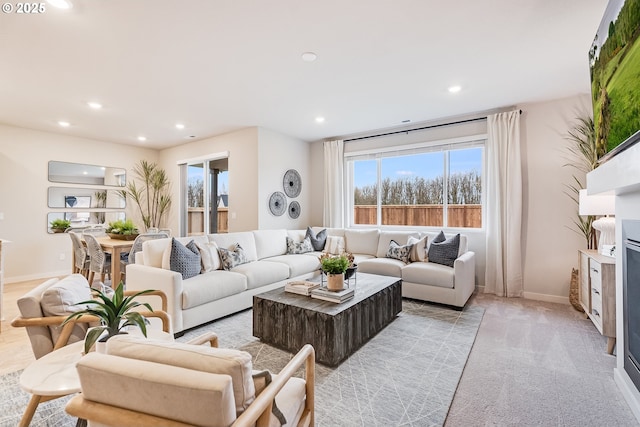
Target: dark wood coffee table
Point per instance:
(289, 321)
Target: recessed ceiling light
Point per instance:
(94, 105)
(455, 89)
(142, 138)
(60, 4)
(179, 126)
(309, 56)
(64, 124)
(319, 119)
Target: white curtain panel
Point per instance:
(334, 184)
(503, 275)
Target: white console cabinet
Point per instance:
(598, 292)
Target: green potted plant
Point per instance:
(122, 229)
(152, 196)
(59, 225)
(114, 314)
(334, 266)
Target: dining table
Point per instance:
(115, 247)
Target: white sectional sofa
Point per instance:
(215, 294)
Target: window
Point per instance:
(408, 188)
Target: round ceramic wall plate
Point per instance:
(294, 210)
(277, 203)
(292, 183)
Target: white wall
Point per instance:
(277, 153)
(550, 247)
(243, 174)
(24, 157)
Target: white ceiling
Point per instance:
(218, 66)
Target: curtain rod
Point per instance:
(420, 128)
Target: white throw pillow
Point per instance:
(419, 250)
(209, 256)
(334, 245)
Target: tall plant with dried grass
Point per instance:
(586, 151)
(152, 196)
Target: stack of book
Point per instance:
(333, 296)
(301, 287)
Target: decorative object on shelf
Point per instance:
(122, 230)
(277, 203)
(114, 313)
(334, 266)
(294, 210)
(153, 196)
(292, 183)
(59, 225)
(596, 205)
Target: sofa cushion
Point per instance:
(234, 257)
(157, 389)
(260, 273)
(361, 241)
(212, 286)
(381, 266)
(401, 237)
(153, 252)
(61, 298)
(445, 252)
(335, 245)
(235, 363)
(270, 243)
(209, 256)
(185, 259)
(298, 264)
(246, 239)
(290, 400)
(399, 252)
(463, 241)
(429, 273)
(298, 247)
(297, 235)
(318, 239)
(419, 249)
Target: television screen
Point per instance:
(614, 60)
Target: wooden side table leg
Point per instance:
(30, 411)
(611, 344)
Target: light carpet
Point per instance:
(404, 376)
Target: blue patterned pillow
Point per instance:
(444, 252)
(299, 247)
(396, 251)
(317, 240)
(184, 259)
(232, 257)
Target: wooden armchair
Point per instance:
(147, 383)
(42, 312)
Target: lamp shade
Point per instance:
(597, 204)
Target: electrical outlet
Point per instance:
(233, 215)
(62, 257)
(1, 216)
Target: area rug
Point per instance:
(404, 376)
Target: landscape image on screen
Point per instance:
(614, 60)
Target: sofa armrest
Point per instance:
(141, 277)
(464, 269)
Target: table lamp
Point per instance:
(601, 204)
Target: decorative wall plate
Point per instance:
(294, 210)
(292, 183)
(277, 203)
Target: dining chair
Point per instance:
(81, 257)
(99, 261)
(137, 247)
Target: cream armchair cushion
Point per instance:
(234, 363)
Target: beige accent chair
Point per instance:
(45, 308)
(159, 383)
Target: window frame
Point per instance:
(444, 146)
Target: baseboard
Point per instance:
(546, 298)
(629, 391)
(16, 279)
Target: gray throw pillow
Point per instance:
(299, 247)
(317, 240)
(184, 259)
(444, 252)
(399, 252)
(232, 257)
